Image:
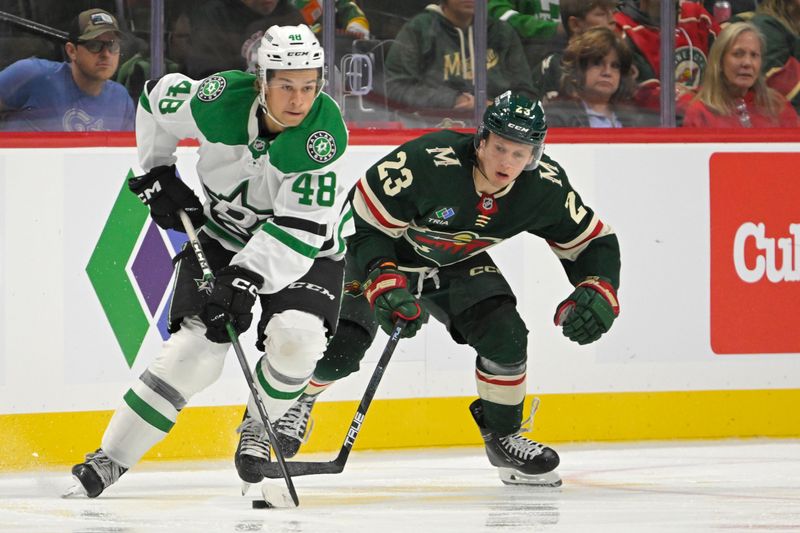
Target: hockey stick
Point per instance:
(305, 468)
(34, 27)
(208, 276)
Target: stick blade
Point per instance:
(276, 496)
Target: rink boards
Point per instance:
(705, 346)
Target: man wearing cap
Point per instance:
(76, 95)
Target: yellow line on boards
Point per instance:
(46, 439)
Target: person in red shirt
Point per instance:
(639, 23)
(734, 92)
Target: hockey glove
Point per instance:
(231, 300)
(386, 290)
(589, 311)
(164, 193)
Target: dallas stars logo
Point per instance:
(321, 146)
(211, 88)
(203, 285)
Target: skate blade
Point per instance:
(276, 496)
(509, 476)
(75, 490)
(245, 487)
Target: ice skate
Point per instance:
(94, 475)
(520, 461)
(252, 454)
(293, 429)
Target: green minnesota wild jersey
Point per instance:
(279, 202)
(418, 205)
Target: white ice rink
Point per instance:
(719, 486)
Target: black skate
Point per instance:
(293, 429)
(252, 454)
(520, 461)
(94, 475)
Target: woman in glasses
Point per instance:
(41, 95)
(734, 93)
(597, 84)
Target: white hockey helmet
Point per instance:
(289, 48)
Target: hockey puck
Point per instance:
(262, 504)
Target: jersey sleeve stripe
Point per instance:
(591, 231)
(144, 101)
(211, 227)
(301, 224)
(366, 206)
(290, 241)
(572, 254)
(348, 216)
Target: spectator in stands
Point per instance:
(638, 21)
(597, 84)
(537, 23)
(779, 22)
(734, 93)
(577, 16)
(134, 72)
(42, 95)
(349, 17)
(223, 32)
(431, 63)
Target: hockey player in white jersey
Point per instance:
(273, 221)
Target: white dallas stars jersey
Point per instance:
(279, 203)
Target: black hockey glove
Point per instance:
(231, 300)
(589, 311)
(164, 193)
(386, 290)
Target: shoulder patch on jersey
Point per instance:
(323, 135)
(222, 107)
(321, 146)
(211, 88)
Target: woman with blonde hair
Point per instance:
(734, 92)
(597, 84)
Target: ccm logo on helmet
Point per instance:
(513, 126)
(294, 54)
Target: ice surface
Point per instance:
(751, 485)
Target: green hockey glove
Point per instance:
(386, 290)
(589, 311)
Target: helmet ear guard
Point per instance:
(518, 119)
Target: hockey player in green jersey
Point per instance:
(273, 221)
(425, 216)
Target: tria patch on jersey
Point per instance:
(443, 214)
(321, 146)
(211, 88)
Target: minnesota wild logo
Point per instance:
(211, 88)
(320, 146)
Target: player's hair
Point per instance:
(715, 90)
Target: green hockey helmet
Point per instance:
(516, 118)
